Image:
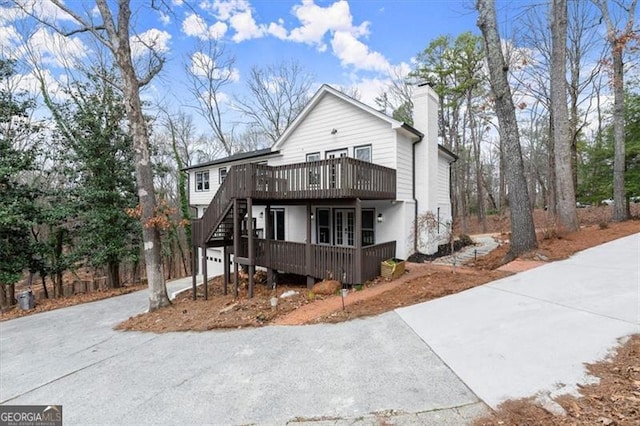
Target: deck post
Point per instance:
(309, 267)
(267, 243)
(227, 270)
(236, 244)
(205, 279)
(358, 241)
(251, 247)
(194, 268)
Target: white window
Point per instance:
(222, 174)
(324, 226)
(202, 181)
(368, 228)
(314, 173)
(362, 153)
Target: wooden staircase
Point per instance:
(215, 227)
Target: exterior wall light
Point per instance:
(334, 131)
(380, 218)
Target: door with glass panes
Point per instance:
(334, 171)
(343, 227)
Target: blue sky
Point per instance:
(342, 43)
(348, 44)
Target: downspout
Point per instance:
(413, 194)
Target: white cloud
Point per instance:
(54, 49)
(277, 30)
(217, 30)
(44, 9)
(151, 39)
(9, 37)
(30, 83)
(352, 51)
(225, 9)
(164, 18)
(195, 26)
(10, 14)
(203, 65)
(245, 27)
(317, 21)
(345, 36)
(238, 14)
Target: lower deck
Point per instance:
(318, 261)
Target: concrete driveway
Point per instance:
(526, 334)
(530, 334)
(270, 375)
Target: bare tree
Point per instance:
(209, 71)
(277, 94)
(618, 40)
(523, 236)
(114, 32)
(565, 196)
(396, 98)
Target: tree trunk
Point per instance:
(567, 217)
(44, 286)
(523, 236)
(619, 199)
(11, 294)
(113, 275)
(618, 40)
(3, 296)
(57, 285)
(502, 186)
(144, 173)
(551, 199)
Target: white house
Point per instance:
(336, 194)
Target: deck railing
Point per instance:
(335, 262)
(333, 178)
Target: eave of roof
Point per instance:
(235, 157)
(448, 152)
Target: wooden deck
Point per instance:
(337, 178)
(324, 261)
(343, 180)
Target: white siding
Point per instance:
(397, 226)
(202, 197)
(354, 127)
(404, 171)
(443, 181)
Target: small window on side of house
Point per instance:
(362, 153)
(222, 174)
(202, 181)
(314, 156)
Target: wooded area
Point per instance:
(90, 178)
